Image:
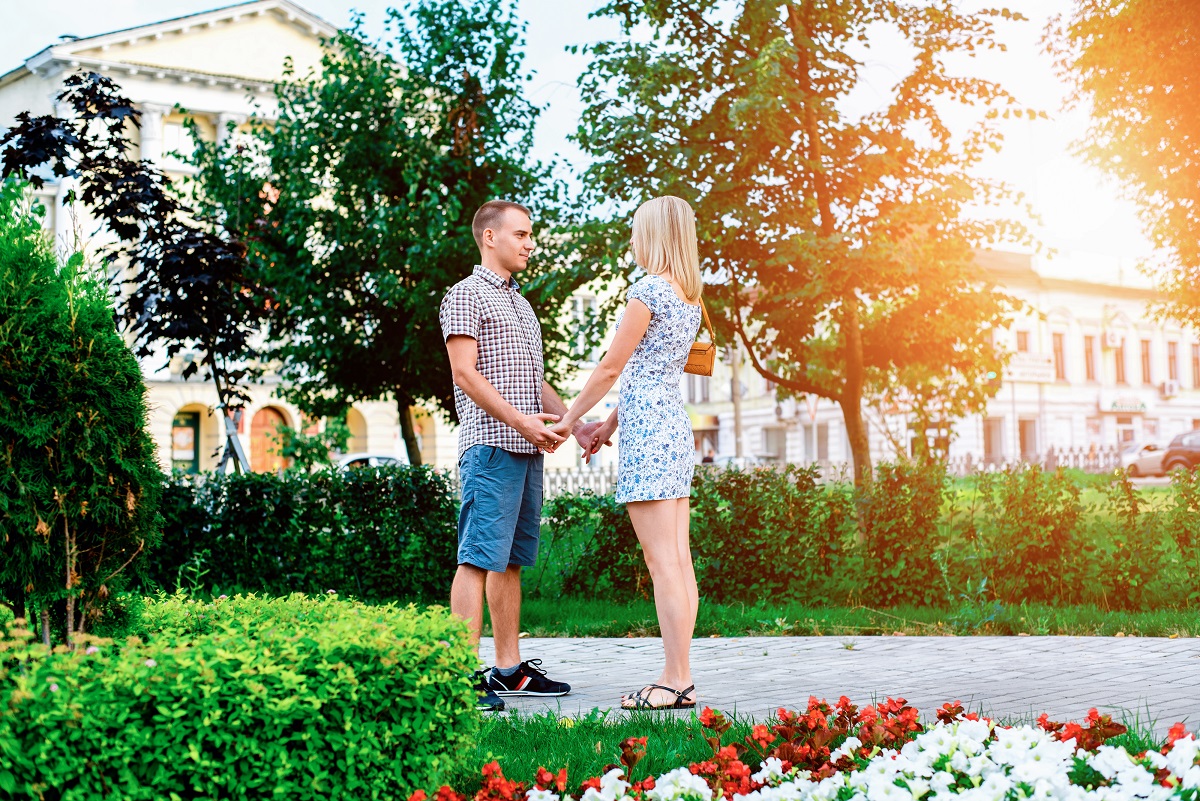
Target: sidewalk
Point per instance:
(1155, 681)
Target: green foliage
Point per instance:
(1143, 123)
(754, 534)
(306, 451)
(79, 484)
(1128, 557)
(588, 548)
(373, 172)
(899, 523)
(1029, 527)
(183, 286)
(849, 266)
(977, 546)
(378, 534)
(1182, 523)
(241, 698)
(764, 533)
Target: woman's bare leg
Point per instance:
(683, 519)
(656, 524)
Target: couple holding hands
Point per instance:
(509, 416)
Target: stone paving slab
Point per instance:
(1153, 681)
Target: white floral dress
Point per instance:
(657, 454)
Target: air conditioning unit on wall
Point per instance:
(1169, 389)
(1112, 339)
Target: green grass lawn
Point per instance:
(569, 617)
(586, 745)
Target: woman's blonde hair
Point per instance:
(664, 241)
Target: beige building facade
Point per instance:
(217, 68)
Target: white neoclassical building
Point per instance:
(1092, 369)
(217, 68)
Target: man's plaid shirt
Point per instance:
(503, 325)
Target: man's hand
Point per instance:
(533, 428)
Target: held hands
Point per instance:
(533, 428)
(592, 435)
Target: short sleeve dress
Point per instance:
(656, 453)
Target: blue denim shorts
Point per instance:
(500, 520)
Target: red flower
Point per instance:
(419, 795)
(1177, 732)
(761, 736)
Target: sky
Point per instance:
(1091, 229)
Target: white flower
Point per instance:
(847, 748)
(53, 688)
(91, 649)
(538, 794)
(772, 770)
(612, 788)
(151, 663)
(677, 784)
(1182, 755)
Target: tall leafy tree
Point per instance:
(184, 285)
(1136, 65)
(837, 242)
(356, 202)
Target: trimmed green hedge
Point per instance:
(911, 537)
(379, 534)
(241, 698)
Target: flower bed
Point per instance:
(838, 753)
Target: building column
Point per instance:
(224, 119)
(152, 131)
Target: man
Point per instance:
(503, 402)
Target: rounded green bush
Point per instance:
(241, 698)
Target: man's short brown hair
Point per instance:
(489, 216)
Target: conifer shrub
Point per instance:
(79, 484)
(241, 698)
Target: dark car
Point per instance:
(1184, 451)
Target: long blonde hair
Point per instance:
(664, 241)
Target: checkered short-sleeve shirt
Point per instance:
(503, 325)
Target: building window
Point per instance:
(1145, 361)
(1173, 361)
(1060, 365)
(1195, 366)
(583, 313)
(1089, 358)
(1119, 356)
(1023, 342)
(697, 388)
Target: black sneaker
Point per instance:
(488, 700)
(528, 680)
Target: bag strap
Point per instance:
(712, 335)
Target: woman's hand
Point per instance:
(599, 433)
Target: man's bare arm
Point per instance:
(464, 358)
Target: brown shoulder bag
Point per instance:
(703, 355)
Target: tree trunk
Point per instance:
(860, 444)
(409, 430)
(851, 400)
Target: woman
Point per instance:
(657, 458)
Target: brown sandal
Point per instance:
(641, 698)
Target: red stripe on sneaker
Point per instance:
(524, 681)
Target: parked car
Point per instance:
(1145, 459)
(1184, 451)
(351, 460)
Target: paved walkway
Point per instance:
(1153, 681)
